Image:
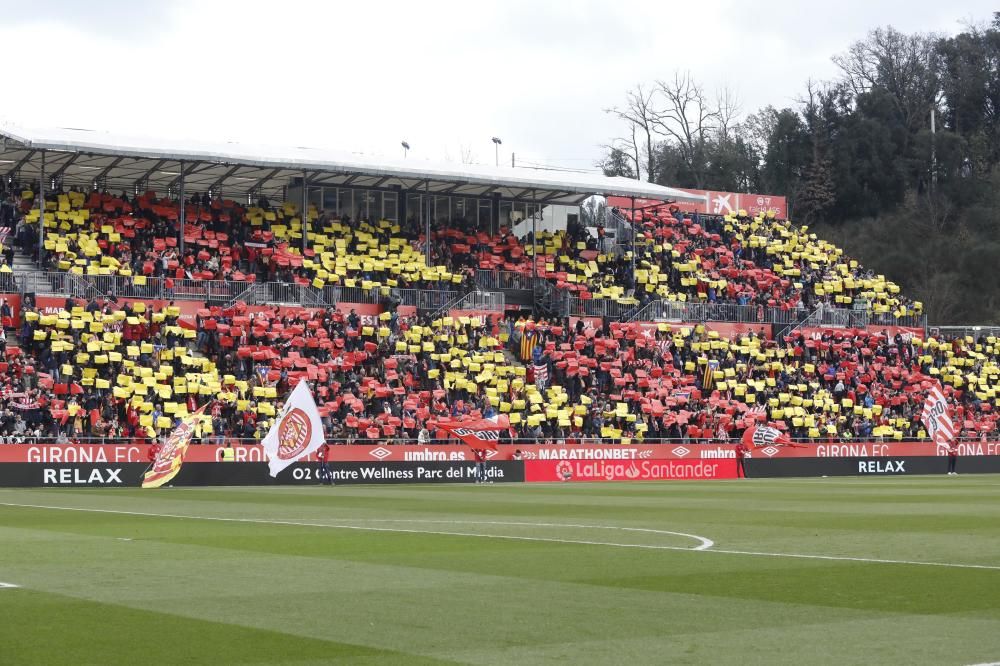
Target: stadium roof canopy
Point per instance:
(81, 157)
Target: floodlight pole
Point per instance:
(183, 212)
(41, 209)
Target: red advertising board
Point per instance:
(628, 470)
(127, 452)
(716, 203)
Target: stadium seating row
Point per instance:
(132, 372)
(731, 259)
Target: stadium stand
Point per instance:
(101, 234)
(101, 369)
(735, 259)
(108, 371)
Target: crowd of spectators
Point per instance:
(104, 370)
(732, 259)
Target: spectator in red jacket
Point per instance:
(152, 452)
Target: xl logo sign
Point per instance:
(76, 477)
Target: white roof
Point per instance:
(79, 156)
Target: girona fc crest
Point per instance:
(294, 434)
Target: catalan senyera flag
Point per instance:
(935, 417)
(708, 378)
(171, 456)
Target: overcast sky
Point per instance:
(445, 76)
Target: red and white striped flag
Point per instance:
(541, 374)
(935, 417)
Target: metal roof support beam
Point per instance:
(451, 189)
(183, 213)
(427, 223)
(222, 179)
(305, 212)
(320, 178)
(106, 170)
(21, 162)
(555, 196)
(149, 172)
(184, 172)
(260, 183)
(65, 165)
(41, 210)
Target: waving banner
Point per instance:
(935, 417)
(761, 436)
(171, 456)
(296, 432)
(479, 434)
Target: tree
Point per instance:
(858, 161)
(617, 163)
(640, 116)
(902, 65)
(687, 117)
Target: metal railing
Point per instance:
(433, 300)
(599, 307)
(492, 301)
(681, 311)
(494, 280)
(126, 286)
(747, 314)
(975, 332)
(555, 302)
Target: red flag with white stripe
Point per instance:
(479, 433)
(760, 436)
(935, 417)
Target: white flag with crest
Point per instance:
(296, 432)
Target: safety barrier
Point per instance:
(489, 282)
(123, 465)
(663, 310)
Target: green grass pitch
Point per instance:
(811, 571)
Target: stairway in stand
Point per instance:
(32, 280)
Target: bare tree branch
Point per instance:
(640, 114)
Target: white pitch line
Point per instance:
(364, 528)
(705, 543)
(8, 586)
(846, 558)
